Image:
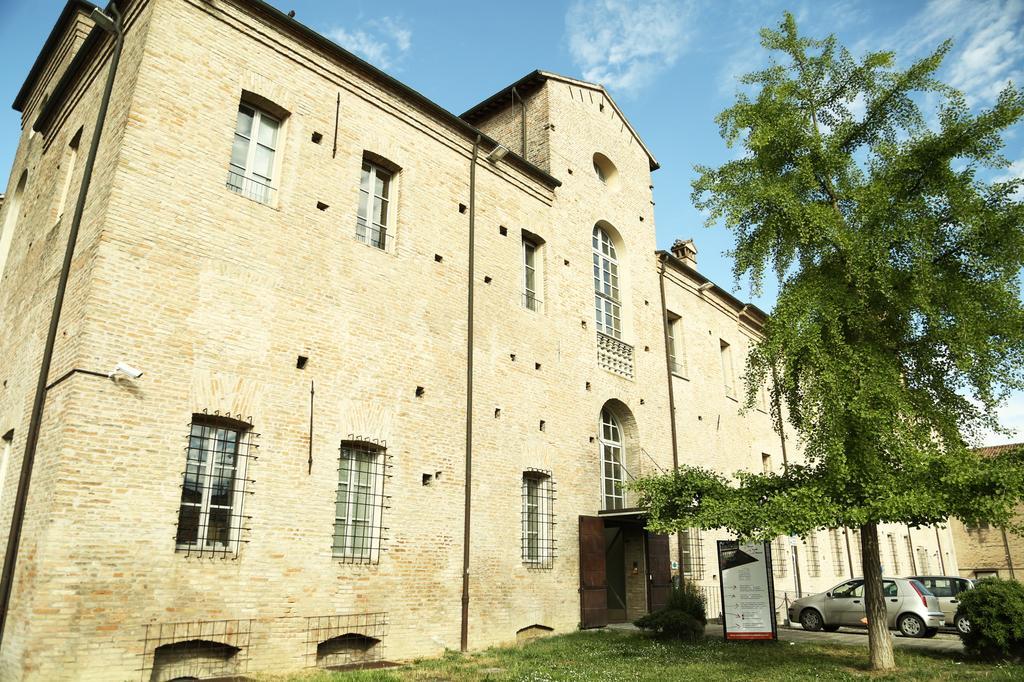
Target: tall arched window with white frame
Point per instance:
(607, 302)
(613, 473)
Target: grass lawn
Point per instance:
(599, 655)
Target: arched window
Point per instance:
(607, 304)
(613, 474)
(11, 220)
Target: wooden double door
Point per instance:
(597, 550)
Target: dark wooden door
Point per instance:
(593, 579)
(659, 571)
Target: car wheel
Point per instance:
(830, 628)
(963, 626)
(811, 620)
(931, 632)
(911, 625)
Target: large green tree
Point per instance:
(899, 326)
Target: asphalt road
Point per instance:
(942, 642)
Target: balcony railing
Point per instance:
(249, 188)
(615, 355)
(373, 235)
(531, 302)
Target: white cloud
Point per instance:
(988, 46)
(1011, 416)
(383, 41)
(625, 44)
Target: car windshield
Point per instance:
(921, 588)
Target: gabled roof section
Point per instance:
(747, 310)
(72, 8)
(534, 80)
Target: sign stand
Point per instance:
(748, 590)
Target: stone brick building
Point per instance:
(397, 362)
(988, 551)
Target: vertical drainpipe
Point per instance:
(910, 550)
(849, 554)
(671, 397)
(1009, 559)
(464, 637)
(35, 421)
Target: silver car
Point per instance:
(911, 608)
(948, 589)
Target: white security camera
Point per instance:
(125, 370)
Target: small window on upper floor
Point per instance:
(70, 162)
(605, 171)
(728, 378)
(374, 217)
(253, 171)
(676, 349)
(531, 272)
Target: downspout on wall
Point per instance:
(464, 635)
(671, 397)
(112, 24)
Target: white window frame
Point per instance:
(5, 459)
(728, 376)
(676, 346)
(368, 230)
(208, 447)
(531, 266)
(244, 180)
(613, 470)
(372, 487)
(607, 295)
(538, 518)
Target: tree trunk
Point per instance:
(879, 638)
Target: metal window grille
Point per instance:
(349, 640)
(364, 466)
(372, 219)
(613, 473)
(893, 549)
(607, 304)
(779, 562)
(813, 556)
(195, 650)
(251, 170)
(838, 565)
(693, 554)
(858, 556)
(538, 517)
(215, 482)
(923, 564)
(614, 355)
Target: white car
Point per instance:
(910, 607)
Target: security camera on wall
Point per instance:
(123, 370)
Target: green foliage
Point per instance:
(899, 326)
(996, 611)
(683, 617)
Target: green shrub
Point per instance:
(683, 617)
(996, 611)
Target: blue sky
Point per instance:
(670, 64)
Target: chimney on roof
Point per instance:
(686, 251)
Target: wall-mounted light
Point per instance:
(636, 568)
(497, 154)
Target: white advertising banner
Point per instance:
(748, 592)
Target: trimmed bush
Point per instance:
(683, 617)
(996, 611)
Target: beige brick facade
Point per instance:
(215, 296)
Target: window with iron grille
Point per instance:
(373, 219)
(538, 546)
(607, 304)
(858, 556)
(210, 515)
(923, 563)
(693, 554)
(813, 555)
(251, 171)
(838, 565)
(779, 558)
(360, 503)
(728, 378)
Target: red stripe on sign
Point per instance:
(749, 635)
